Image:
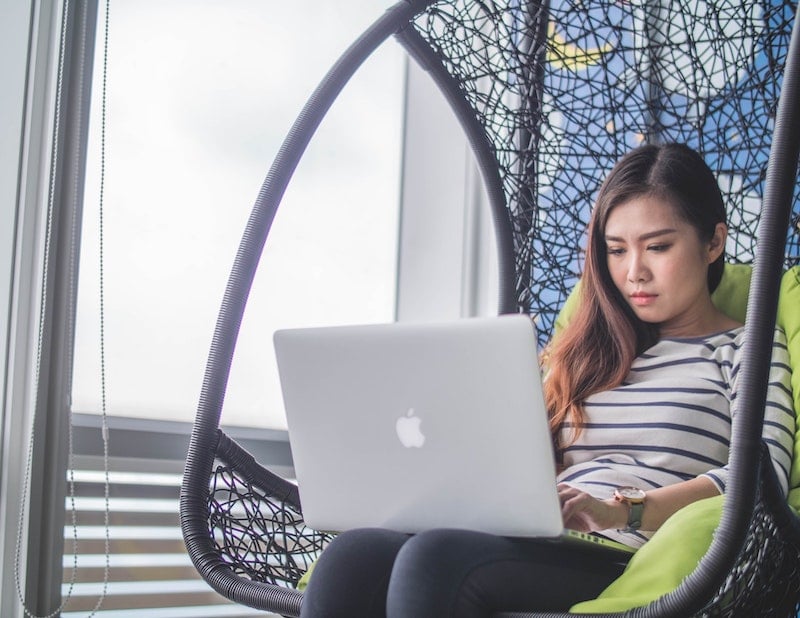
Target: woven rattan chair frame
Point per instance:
(243, 525)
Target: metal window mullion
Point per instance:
(47, 487)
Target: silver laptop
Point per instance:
(418, 426)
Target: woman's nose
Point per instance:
(637, 270)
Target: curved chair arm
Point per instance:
(205, 438)
(197, 527)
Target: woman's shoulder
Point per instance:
(726, 343)
(726, 336)
(697, 356)
(778, 337)
(718, 347)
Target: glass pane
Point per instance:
(200, 96)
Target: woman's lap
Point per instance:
(450, 573)
(352, 574)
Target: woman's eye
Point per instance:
(615, 251)
(659, 248)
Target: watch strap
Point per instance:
(635, 510)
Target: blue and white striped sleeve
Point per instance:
(779, 417)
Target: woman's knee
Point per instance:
(450, 550)
(358, 555)
(461, 573)
(352, 574)
(431, 569)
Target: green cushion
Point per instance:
(789, 320)
(674, 551)
(302, 583)
(661, 564)
(731, 294)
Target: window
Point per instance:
(199, 97)
(200, 94)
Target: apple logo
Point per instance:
(408, 430)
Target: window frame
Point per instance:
(51, 149)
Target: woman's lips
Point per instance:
(640, 299)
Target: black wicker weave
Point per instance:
(550, 95)
(257, 520)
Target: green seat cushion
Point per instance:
(674, 551)
(789, 320)
(662, 563)
(302, 583)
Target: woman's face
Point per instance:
(660, 265)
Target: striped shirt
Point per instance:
(670, 421)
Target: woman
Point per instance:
(641, 391)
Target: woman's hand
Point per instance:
(584, 513)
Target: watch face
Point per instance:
(631, 493)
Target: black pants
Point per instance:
(451, 573)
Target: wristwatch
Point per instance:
(634, 498)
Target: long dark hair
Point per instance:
(595, 351)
